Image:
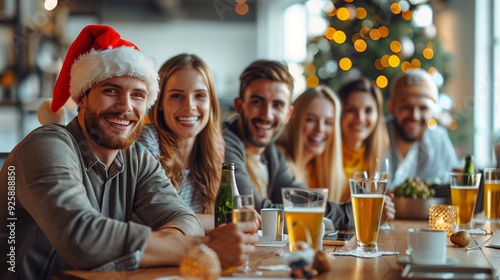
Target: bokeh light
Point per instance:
(378, 64)
(49, 5)
(312, 81)
(385, 60)
(339, 37)
(329, 33)
(375, 34)
(384, 31)
(406, 66)
(363, 32)
(241, 8)
(428, 53)
(432, 124)
(360, 13)
(343, 14)
(345, 64)
(382, 81)
(394, 61)
(360, 45)
(415, 63)
(309, 69)
(395, 8)
(453, 125)
(408, 15)
(395, 46)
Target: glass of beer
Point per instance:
(367, 197)
(492, 194)
(304, 210)
(464, 187)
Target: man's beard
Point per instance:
(96, 133)
(401, 132)
(248, 135)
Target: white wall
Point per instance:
(455, 23)
(227, 47)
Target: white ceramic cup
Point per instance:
(427, 246)
(272, 222)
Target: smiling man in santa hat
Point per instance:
(85, 195)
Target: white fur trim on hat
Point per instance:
(47, 116)
(98, 65)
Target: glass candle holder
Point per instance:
(443, 217)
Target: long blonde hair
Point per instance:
(378, 141)
(208, 150)
(325, 169)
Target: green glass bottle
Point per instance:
(469, 164)
(223, 208)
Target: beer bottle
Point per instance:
(223, 208)
(469, 164)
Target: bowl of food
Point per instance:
(413, 198)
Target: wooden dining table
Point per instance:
(347, 267)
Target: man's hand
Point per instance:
(233, 242)
(389, 212)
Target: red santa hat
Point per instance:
(97, 54)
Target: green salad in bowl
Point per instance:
(413, 198)
(415, 188)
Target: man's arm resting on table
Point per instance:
(166, 247)
(231, 242)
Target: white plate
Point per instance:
(449, 261)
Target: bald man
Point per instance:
(415, 150)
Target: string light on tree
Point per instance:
(378, 39)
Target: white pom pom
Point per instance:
(47, 116)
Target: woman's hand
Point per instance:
(389, 212)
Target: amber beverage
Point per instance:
(492, 193)
(297, 220)
(243, 215)
(367, 209)
(304, 210)
(367, 197)
(464, 187)
(464, 199)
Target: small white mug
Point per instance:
(427, 246)
(272, 222)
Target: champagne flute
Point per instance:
(383, 173)
(244, 211)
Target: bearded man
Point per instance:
(416, 150)
(85, 195)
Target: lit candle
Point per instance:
(442, 217)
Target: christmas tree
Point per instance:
(377, 39)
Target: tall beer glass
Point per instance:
(367, 197)
(492, 194)
(464, 188)
(304, 210)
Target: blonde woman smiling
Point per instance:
(311, 141)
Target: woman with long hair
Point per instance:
(185, 132)
(364, 133)
(311, 141)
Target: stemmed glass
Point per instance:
(383, 173)
(244, 211)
